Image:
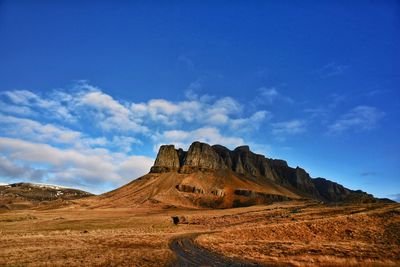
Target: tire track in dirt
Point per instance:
(188, 253)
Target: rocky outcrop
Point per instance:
(190, 189)
(254, 194)
(334, 192)
(167, 160)
(250, 164)
(294, 177)
(330, 190)
(304, 182)
(203, 157)
(225, 155)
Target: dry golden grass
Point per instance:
(291, 233)
(351, 235)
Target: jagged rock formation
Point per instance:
(331, 190)
(167, 160)
(216, 177)
(205, 158)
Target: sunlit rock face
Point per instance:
(202, 157)
(167, 160)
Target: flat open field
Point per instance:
(288, 233)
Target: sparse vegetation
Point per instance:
(363, 235)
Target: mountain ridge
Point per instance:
(241, 160)
(207, 176)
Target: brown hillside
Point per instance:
(216, 189)
(216, 177)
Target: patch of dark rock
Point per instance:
(238, 204)
(4, 207)
(179, 220)
(260, 195)
(348, 232)
(189, 189)
(294, 211)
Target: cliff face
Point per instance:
(295, 177)
(167, 160)
(202, 157)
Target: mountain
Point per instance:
(216, 177)
(26, 195)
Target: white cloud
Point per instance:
(288, 127)
(14, 109)
(27, 103)
(253, 122)
(224, 111)
(193, 88)
(208, 135)
(358, 119)
(87, 138)
(269, 92)
(36, 131)
(134, 166)
(111, 115)
(12, 170)
(22, 97)
(124, 143)
(87, 167)
(270, 95)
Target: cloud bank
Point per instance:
(83, 137)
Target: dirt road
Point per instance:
(188, 253)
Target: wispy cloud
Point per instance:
(252, 122)
(332, 69)
(325, 111)
(88, 167)
(291, 127)
(28, 103)
(185, 60)
(85, 137)
(360, 118)
(270, 95)
(203, 111)
(209, 135)
(36, 131)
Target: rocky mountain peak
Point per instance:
(202, 157)
(242, 148)
(167, 159)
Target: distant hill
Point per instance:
(216, 177)
(26, 195)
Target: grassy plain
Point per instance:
(286, 233)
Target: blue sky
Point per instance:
(88, 91)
